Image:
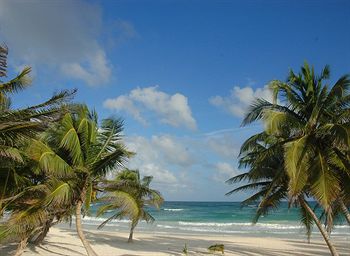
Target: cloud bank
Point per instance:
(170, 109)
(239, 99)
(63, 35)
(182, 165)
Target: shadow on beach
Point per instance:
(106, 242)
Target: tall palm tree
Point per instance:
(79, 153)
(312, 122)
(128, 195)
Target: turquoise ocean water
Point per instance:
(215, 218)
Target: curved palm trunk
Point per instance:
(3, 193)
(40, 238)
(320, 227)
(133, 225)
(345, 211)
(21, 246)
(81, 235)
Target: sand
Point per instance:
(65, 242)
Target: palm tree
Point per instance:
(78, 153)
(128, 195)
(263, 155)
(312, 123)
(32, 213)
(17, 126)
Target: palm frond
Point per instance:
(307, 221)
(296, 164)
(48, 160)
(110, 160)
(20, 82)
(325, 187)
(147, 217)
(238, 178)
(251, 186)
(70, 140)
(118, 215)
(270, 202)
(11, 153)
(60, 194)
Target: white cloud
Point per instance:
(173, 151)
(123, 102)
(96, 72)
(224, 171)
(171, 109)
(239, 100)
(151, 160)
(160, 174)
(182, 167)
(161, 149)
(62, 35)
(164, 156)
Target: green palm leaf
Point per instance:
(296, 160)
(325, 186)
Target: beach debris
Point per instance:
(184, 250)
(216, 248)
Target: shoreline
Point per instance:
(64, 241)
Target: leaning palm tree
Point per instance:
(263, 155)
(128, 195)
(32, 213)
(312, 121)
(79, 153)
(17, 126)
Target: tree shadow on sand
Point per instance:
(160, 243)
(170, 245)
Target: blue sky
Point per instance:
(181, 73)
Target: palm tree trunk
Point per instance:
(345, 210)
(21, 246)
(131, 233)
(3, 193)
(40, 238)
(320, 227)
(81, 235)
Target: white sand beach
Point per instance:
(65, 242)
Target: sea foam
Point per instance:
(173, 209)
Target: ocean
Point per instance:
(215, 218)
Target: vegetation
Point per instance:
(303, 152)
(217, 248)
(78, 153)
(54, 156)
(128, 195)
(17, 127)
(185, 250)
